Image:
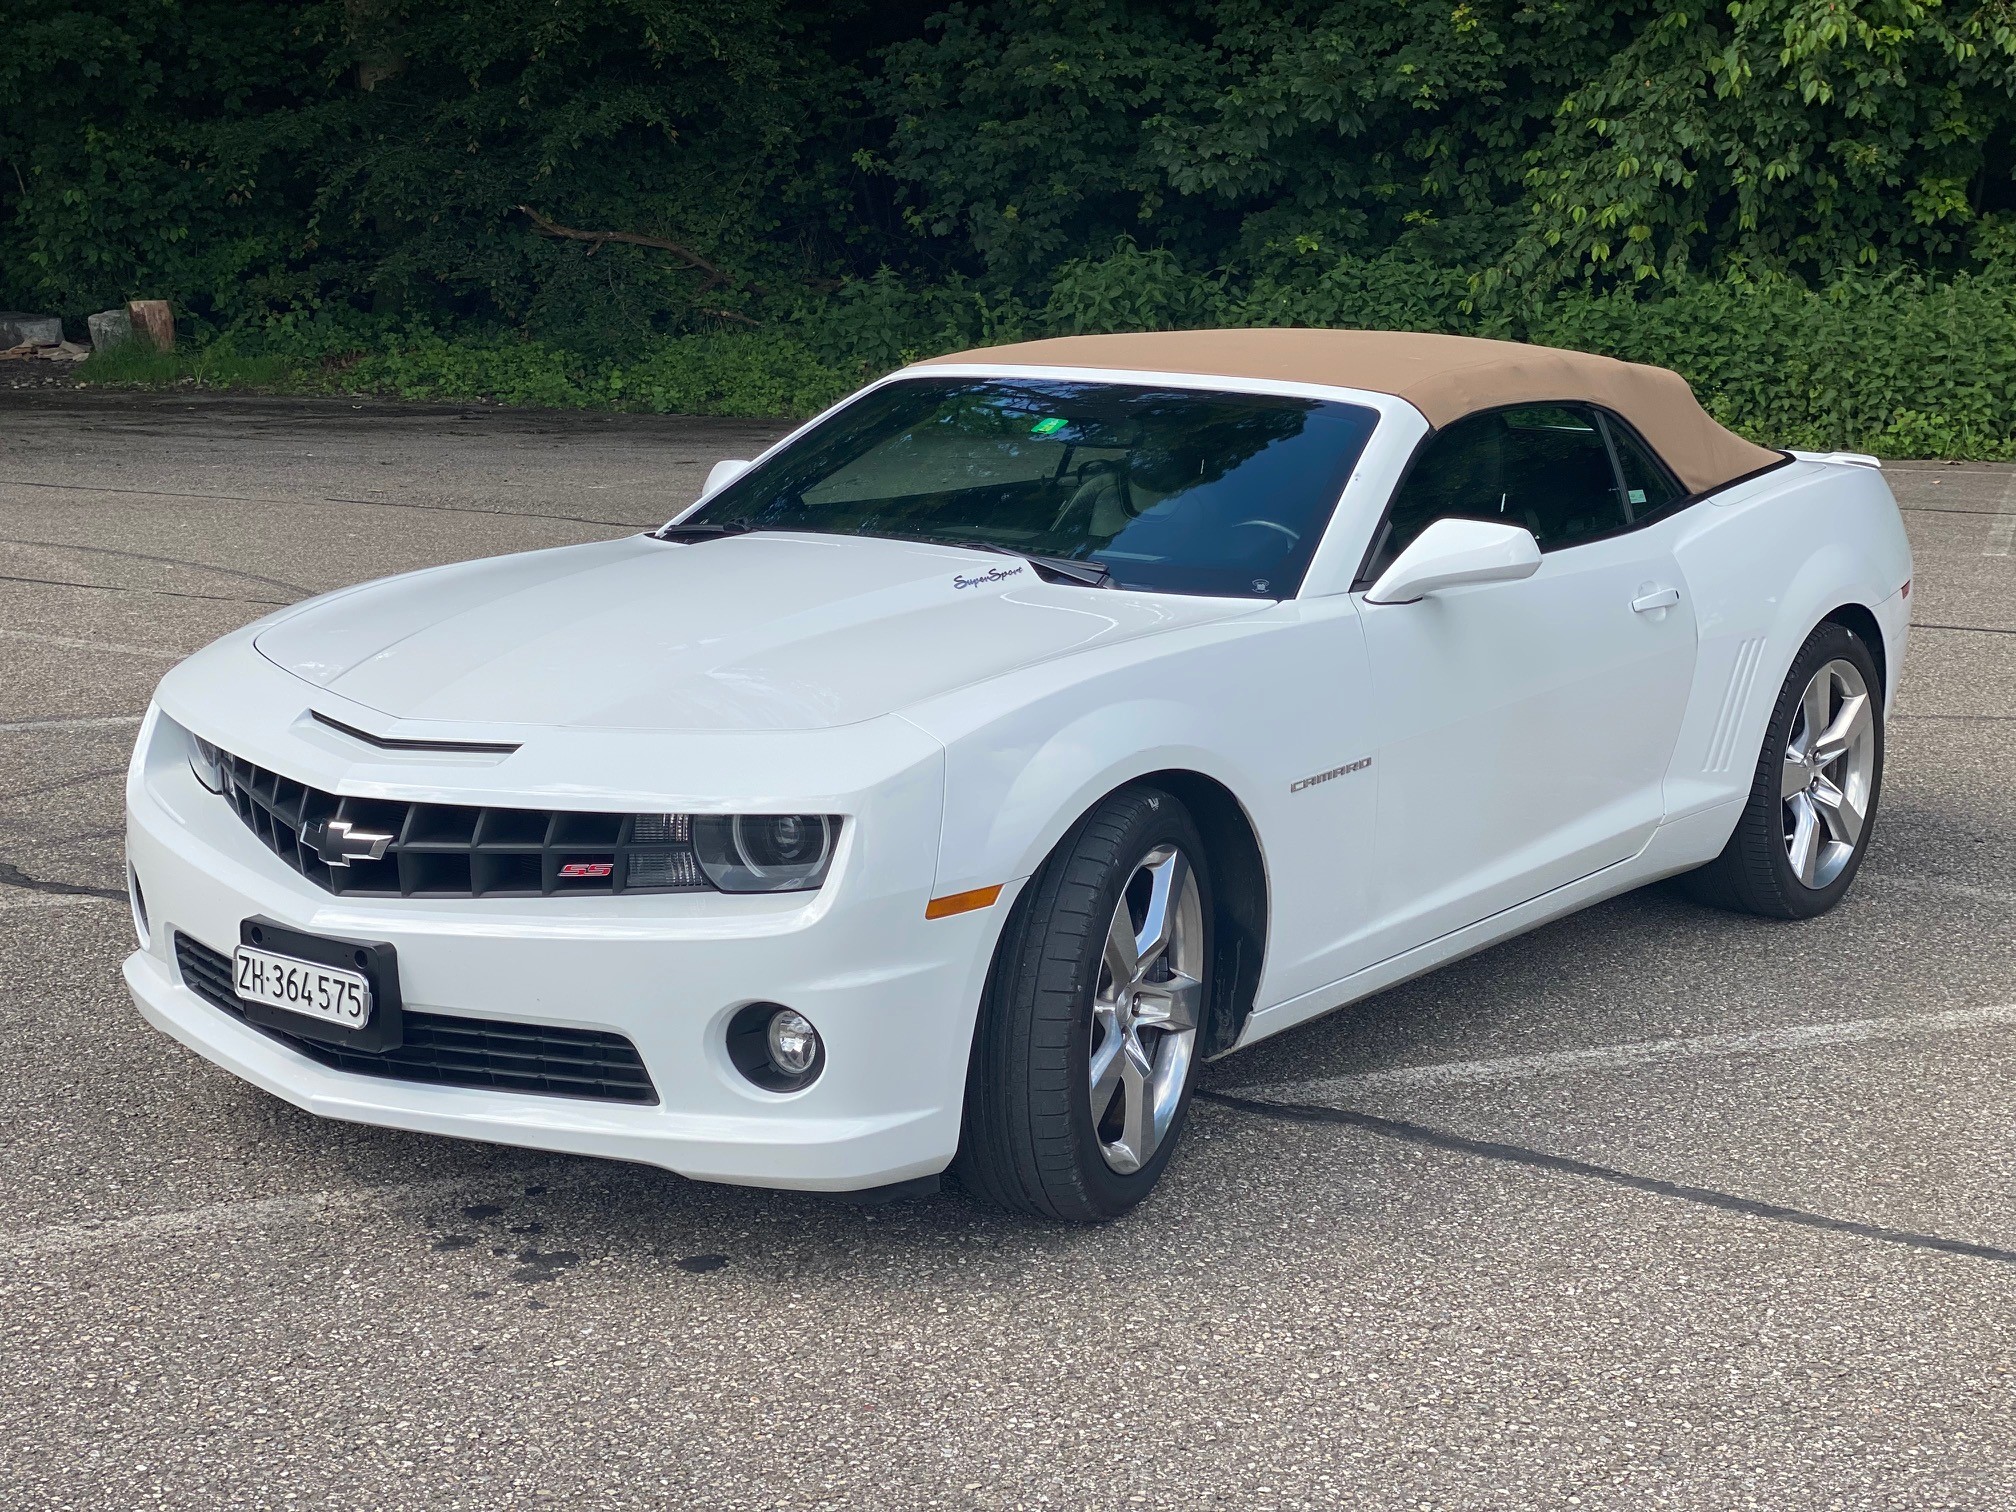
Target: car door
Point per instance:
(1526, 726)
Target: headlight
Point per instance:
(765, 852)
(208, 763)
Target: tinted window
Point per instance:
(1544, 467)
(1175, 491)
(1648, 488)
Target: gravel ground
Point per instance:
(1650, 1208)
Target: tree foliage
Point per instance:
(1547, 139)
(337, 160)
(247, 157)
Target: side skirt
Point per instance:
(1675, 847)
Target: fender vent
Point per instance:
(1722, 743)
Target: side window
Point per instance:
(1457, 477)
(1648, 488)
(1558, 480)
(1545, 467)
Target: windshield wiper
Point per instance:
(698, 531)
(1049, 568)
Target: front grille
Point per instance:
(446, 850)
(455, 1051)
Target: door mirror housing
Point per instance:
(1450, 553)
(721, 474)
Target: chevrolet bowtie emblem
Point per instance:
(338, 842)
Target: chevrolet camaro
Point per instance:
(945, 785)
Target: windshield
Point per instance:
(1171, 490)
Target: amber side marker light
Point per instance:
(958, 903)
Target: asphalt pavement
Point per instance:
(1654, 1207)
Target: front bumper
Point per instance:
(892, 995)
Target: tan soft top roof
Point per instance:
(1444, 377)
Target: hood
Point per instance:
(762, 631)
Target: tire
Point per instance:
(1052, 1014)
(1762, 870)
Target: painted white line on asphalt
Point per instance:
(95, 722)
(2002, 534)
(1637, 1053)
(220, 1218)
(91, 645)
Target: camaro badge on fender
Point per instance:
(1343, 771)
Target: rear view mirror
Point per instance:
(1450, 553)
(721, 475)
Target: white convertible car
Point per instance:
(948, 783)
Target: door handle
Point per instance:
(1658, 598)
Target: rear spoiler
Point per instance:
(1845, 459)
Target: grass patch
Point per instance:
(134, 364)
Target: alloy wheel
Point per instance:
(1830, 763)
(1146, 1008)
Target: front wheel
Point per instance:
(1812, 805)
(1088, 1035)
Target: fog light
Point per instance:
(775, 1047)
(794, 1043)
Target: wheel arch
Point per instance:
(1861, 620)
(1239, 897)
(1239, 892)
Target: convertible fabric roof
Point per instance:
(1444, 377)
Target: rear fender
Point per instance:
(1765, 568)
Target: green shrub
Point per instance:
(1901, 365)
(506, 369)
(1898, 364)
(748, 373)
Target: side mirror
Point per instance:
(721, 474)
(1450, 553)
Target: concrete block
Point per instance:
(109, 328)
(17, 329)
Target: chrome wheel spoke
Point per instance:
(1814, 708)
(1848, 725)
(1802, 846)
(1839, 812)
(1796, 776)
(1171, 1005)
(1829, 774)
(1138, 1134)
(1170, 876)
(1146, 1009)
(1106, 1060)
(1123, 960)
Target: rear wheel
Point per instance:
(1087, 1042)
(1812, 802)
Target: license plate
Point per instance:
(336, 997)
